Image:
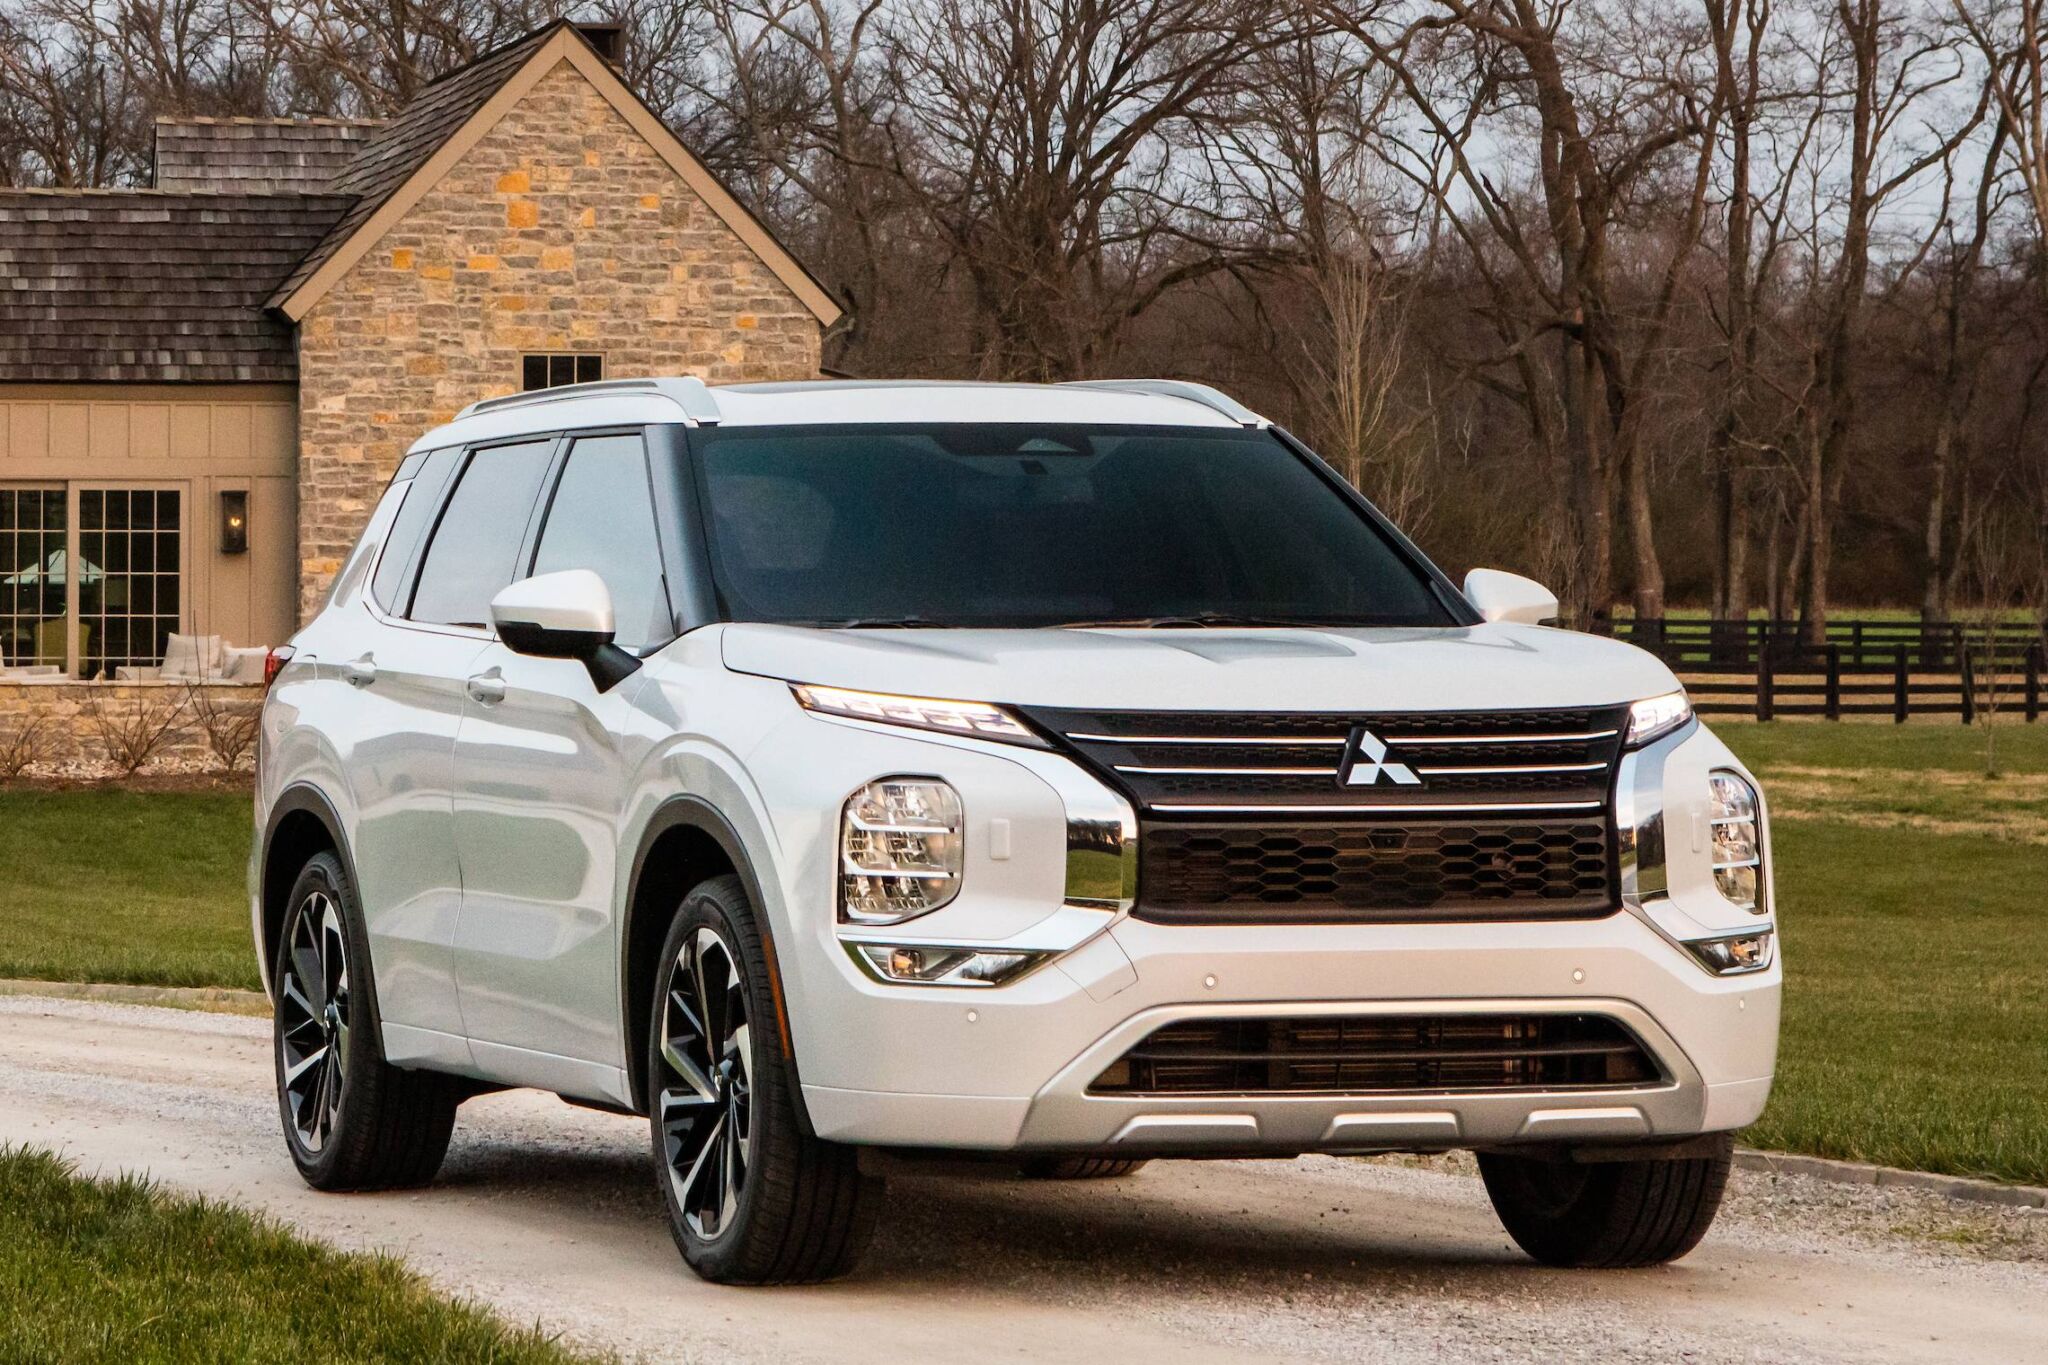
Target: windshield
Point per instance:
(1040, 525)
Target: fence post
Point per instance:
(1835, 680)
(1899, 685)
(1856, 643)
(1763, 684)
(1969, 690)
(2035, 651)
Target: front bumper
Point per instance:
(1024, 1056)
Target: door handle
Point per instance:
(487, 689)
(360, 672)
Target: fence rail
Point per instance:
(1899, 669)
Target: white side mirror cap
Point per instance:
(1501, 596)
(571, 602)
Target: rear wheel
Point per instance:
(1078, 1168)
(752, 1198)
(1608, 1214)
(351, 1121)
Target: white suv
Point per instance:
(1076, 774)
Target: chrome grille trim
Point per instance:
(1434, 740)
(1404, 808)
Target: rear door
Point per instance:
(409, 679)
(543, 764)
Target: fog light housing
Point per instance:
(920, 964)
(899, 850)
(1734, 954)
(1737, 838)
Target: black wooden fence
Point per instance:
(1894, 669)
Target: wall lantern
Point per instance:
(234, 521)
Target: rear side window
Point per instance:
(472, 554)
(602, 519)
(429, 478)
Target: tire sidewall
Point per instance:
(324, 872)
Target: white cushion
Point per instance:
(193, 656)
(244, 665)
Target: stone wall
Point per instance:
(66, 734)
(561, 230)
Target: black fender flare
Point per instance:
(301, 798)
(695, 813)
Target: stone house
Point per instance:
(205, 384)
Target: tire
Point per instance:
(1609, 1214)
(752, 1196)
(351, 1120)
(1078, 1168)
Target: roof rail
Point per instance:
(687, 392)
(1214, 399)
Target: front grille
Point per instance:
(1457, 815)
(1378, 1053)
(1383, 870)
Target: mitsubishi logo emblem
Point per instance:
(1365, 763)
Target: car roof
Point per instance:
(687, 400)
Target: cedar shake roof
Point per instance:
(143, 285)
(256, 155)
(406, 143)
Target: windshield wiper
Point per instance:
(1203, 620)
(882, 623)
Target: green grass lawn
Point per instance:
(116, 1270)
(1911, 893)
(146, 887)
(1910, 896)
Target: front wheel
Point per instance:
(1608, 1214)
(752, 1197)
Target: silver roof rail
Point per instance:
(1214, 399)
(687, 392)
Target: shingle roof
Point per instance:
(142, 285)
(409, 141)
(256, 155)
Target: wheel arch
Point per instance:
(688, 840)
(302, 822)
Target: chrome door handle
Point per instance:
(360, 672)
(486, 689)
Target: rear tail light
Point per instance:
(274, 662)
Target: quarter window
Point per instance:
(428, 480)
(602, 519)
(472, 554)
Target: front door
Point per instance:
(544, 764)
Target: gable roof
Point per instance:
(256, 155)
(142, 285)
(409, 156)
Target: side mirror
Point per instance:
(1500, 596)
(566, 615)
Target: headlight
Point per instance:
(899, 850)
(1655, 717)
(980, 719)
(1737, 841)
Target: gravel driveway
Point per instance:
(549, 1213)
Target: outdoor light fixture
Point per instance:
(234, 521)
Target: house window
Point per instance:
(91, 579)
(553, 371)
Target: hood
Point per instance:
(1469, 668)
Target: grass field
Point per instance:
(146, 887)
(1910, 893)
(115, 1270)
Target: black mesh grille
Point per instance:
(1380, 870)
(1463, 815)
(1352, 1055)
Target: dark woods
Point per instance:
(1735, 304)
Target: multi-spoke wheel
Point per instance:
(705, 1098)
(351, 1120)
(313, 1019)
(752, 1197)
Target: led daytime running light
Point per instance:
(1655, 717)
(977, 719)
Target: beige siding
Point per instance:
(200, 439)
